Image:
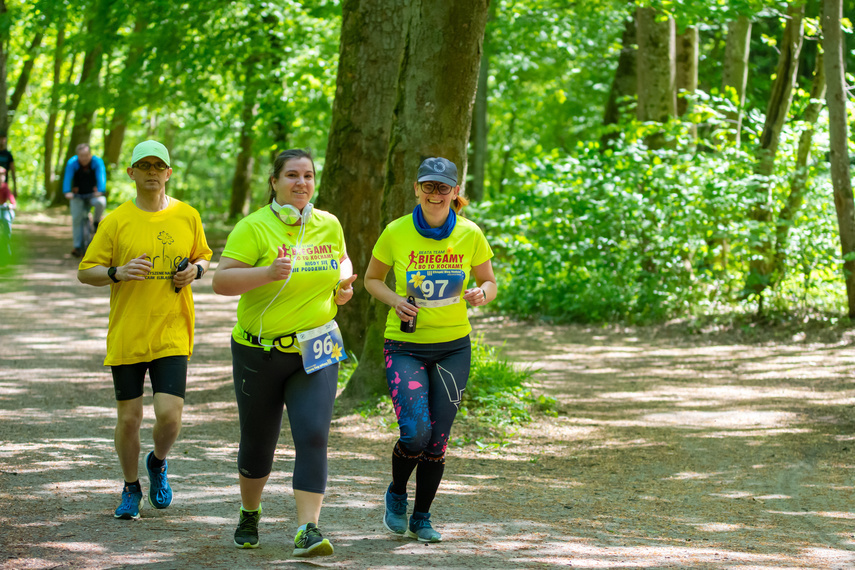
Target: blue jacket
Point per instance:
(73, 165)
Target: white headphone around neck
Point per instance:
(290, 214)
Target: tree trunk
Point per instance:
(799, 181)
(833, 44)
(478, 135)
(50, 130)
(686, 68)
(625, 82)
(370, 53)
(735, 71)
(279, 133)
(244, 164)
(4, 55)
(432, 118)
(657, 95)
(506, 156)
(124, 105)
(24, 77)
(88, 87)
(763, 255)
(59, 169)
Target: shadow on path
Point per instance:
(667, 451)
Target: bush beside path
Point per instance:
(668, 449)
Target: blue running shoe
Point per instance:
(130, 507)
(395, 517)
(420, 528)
(160, 493)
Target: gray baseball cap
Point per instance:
(438, 170)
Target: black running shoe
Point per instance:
(246, 534)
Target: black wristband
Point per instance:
(111, 273)
(199, 271)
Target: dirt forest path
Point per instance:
(669, 450)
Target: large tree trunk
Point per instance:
(657, 95)
(763, 255)
(833, 44)
(734, 76)
(432, 118)
(798, 184)
(370, 53)
(625, 82)
(50, 129)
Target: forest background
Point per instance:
(630, 161)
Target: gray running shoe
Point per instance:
(395, 517)
(420, 528)
(310, 542)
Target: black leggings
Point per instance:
(265, 381)
(426, 382)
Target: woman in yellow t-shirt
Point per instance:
(289, 264)
(427, 348)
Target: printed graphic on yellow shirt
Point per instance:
(313, 258)
(435, 279)
(164, 262)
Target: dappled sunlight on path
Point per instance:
(666, 450)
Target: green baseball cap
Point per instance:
(150, 148)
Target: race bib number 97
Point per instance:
(321, 347)
(435, 288)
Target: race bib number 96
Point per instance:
(321, 347)
(435, 288)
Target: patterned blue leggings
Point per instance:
(426, 382)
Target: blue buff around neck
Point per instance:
(439, 233)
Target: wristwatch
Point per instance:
(111, 273)
(199, 271)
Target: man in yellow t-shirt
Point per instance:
(149, 250)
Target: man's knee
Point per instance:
(167, 410)
(129, 417)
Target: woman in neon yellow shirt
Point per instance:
(289, 264)
(427, 348)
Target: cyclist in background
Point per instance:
(85, 184)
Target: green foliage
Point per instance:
(634, 234)
(497, 392)
(182, 78)
(582, 233)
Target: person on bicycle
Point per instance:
(85, 184)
